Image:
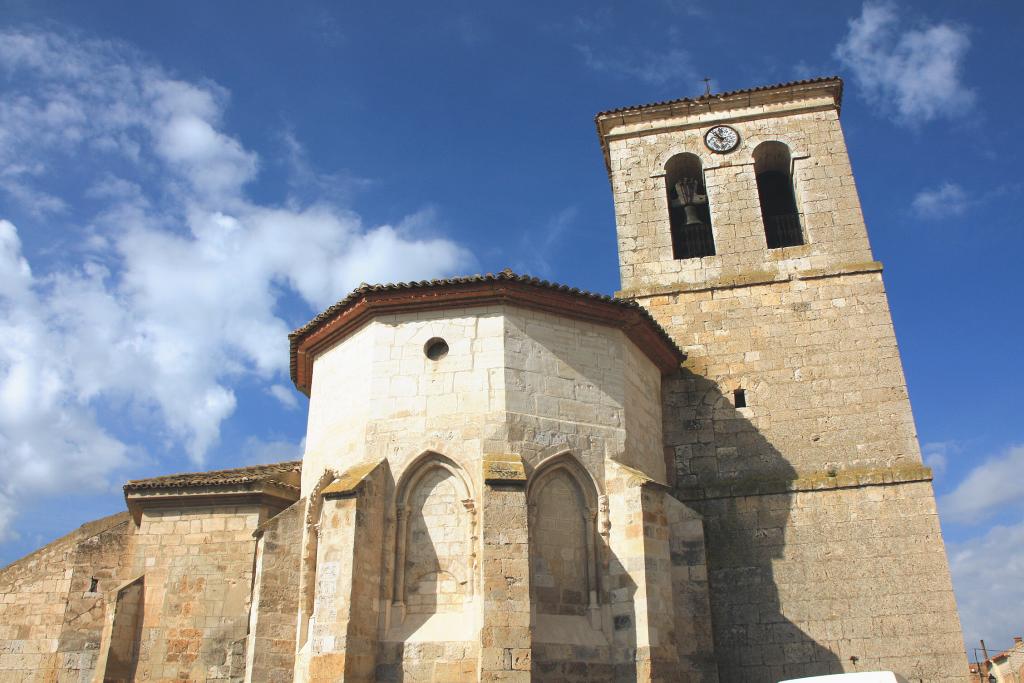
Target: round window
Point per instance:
(436, 348)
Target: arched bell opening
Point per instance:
(773, 169)
(688, 209)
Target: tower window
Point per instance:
(689, 213)
(772, 167)
(739, 398)
(93, 585)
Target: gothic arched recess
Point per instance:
(563, 547)
(435, 515)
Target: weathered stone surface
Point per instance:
(51, 615)
(275, 600)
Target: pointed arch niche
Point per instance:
(563, 504)
(435, 532)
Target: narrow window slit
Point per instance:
(93, 585)
(739, 398)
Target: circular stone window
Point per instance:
(436, 348)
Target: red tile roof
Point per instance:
(239, 475)
(506, 286)
(731, 93)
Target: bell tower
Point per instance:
(789, 427)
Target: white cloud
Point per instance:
(47, 433)
(996, 484)
(284, 394)
(947, 200)
(653, 67)
(987, 573)
(936, 454)
(172, 295)
(915, 74)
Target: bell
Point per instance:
(692, 213)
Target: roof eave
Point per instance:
(274, 494)
(750, 97)
(366, 303)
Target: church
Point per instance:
(712, 475)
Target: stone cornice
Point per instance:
(738, 105)
(270, 493)
(503, 469)
(816, 481)
(750, 279)
(350, 482)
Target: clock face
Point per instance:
(722, 139)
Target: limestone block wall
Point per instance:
(120, 658)
(820, 368)
(691, 605)
(512, 376)
(335, 431)
(51, 615)
(103, 559)
(437, 576)
(275, 598)
(583, 387)
(823, 180)
(377, 396)
(346, 610)
(198, 565)
(505, 636)
(827, 432)
(458, 584)
(825, 575)
(827, 407)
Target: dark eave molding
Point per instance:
(271, 494)
(633, 320)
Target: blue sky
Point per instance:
(182, 186)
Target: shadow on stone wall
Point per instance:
(725, 469)
(415, 647)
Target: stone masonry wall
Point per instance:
(826, 406)
(573, 385)
(198, 565)
(514, 381)
(50, 618)
(827, 434)
(272, 627)
(820, 368)
(558, 548)
(691, 604)
(437, 578)
(802, 582)
(823, 182)
(122, 649)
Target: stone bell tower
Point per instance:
(790, 428)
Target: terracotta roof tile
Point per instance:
(507, 275)
(238, 475)
(717, 95)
